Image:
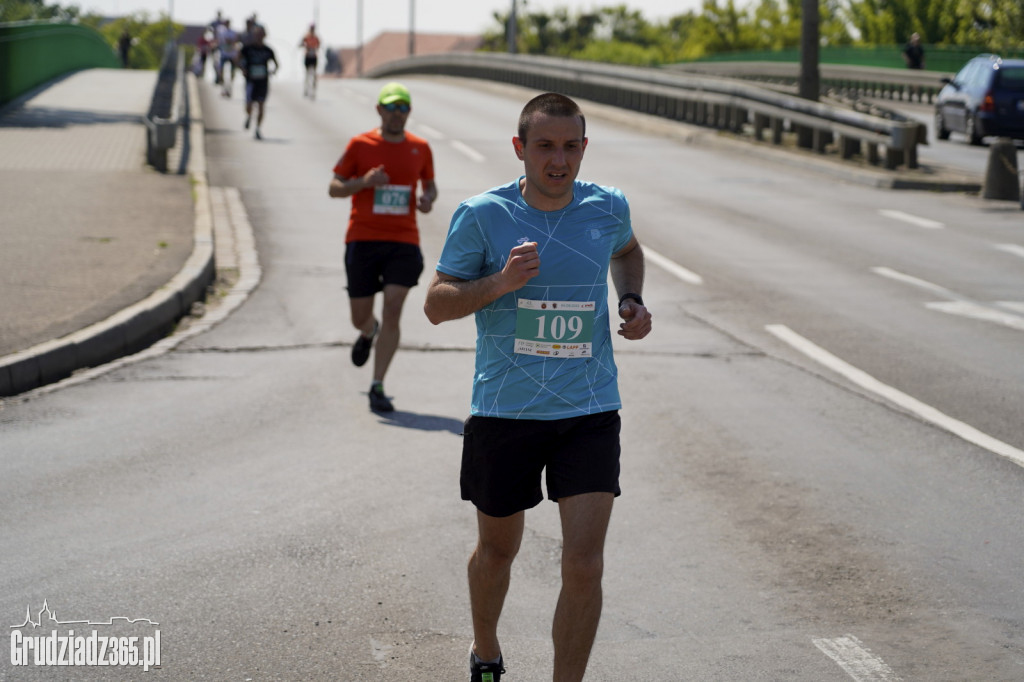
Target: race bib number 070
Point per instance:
(559, 329)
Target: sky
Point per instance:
(287, 20)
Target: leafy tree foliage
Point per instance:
(149, 36)
(34, 10)
(618, 34)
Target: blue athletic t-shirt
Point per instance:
(555, 374)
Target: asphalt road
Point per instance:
(783, 516)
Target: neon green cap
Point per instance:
(394, 92)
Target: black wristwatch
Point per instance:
(635, 297)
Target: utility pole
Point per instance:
(513, 30)
(809, 86)
(359, 38)
(810, 80)
(412, 27)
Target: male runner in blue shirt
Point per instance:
(531, 259)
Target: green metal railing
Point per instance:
(33, 53)
(937, 58)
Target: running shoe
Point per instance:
(248, 120)
(485, 672)
(258, 135)
(378, 401)
(361, 348)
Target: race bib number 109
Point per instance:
(562, 329)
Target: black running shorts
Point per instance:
(256, 91)
(502, 460)
(371, 265)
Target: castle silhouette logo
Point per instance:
(62, 647)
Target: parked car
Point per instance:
(985, 98)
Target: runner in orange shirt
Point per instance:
(311, 43)
(381, 170)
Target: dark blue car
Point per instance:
(985, 98)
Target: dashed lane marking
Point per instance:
(918, 221)
(672, 267)
(1015, 249)
(961, 305)
(469, 152)
(857, 661)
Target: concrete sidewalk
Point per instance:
(93, 243)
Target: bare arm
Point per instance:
(345, 187)
(627, 271)
(427, 197)
(450, 298)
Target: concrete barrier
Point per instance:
(1001, 178)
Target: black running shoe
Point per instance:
(485, 672)
(378, 401)
(361, 348)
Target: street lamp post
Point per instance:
(412, 27)
(359, 38)
(513, 30)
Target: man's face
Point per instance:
(393, 117)
(551, 154)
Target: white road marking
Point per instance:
(1015, 249)
(672, 267)
(914, 281)
(430, 132)
(471, 153)
(912, 219)
(981, 312)
(858, 662)
(961, 305)
(913, 405)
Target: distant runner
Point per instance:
(255, 60)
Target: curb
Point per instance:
(138, 326)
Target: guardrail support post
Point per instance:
(1001, 178)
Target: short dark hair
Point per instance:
(551, 104)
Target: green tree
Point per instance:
(34, 10)
(150, 37)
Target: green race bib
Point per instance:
(562, 329)
(391, 199)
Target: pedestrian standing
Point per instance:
(913, 52)
(531, 259)
(124, 46)
(381, 170)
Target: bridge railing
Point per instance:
(33, 53)
(167, 109)
(905, 85)
(721, 103)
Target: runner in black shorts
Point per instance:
(531, 259)
(502, 460)
(373, 265)
(255, 59)
(389, 174)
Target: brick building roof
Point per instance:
(392, 45)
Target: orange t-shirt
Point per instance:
(386, 213)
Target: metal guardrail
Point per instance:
(721, 103)
(167, 110)
(905, 85)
